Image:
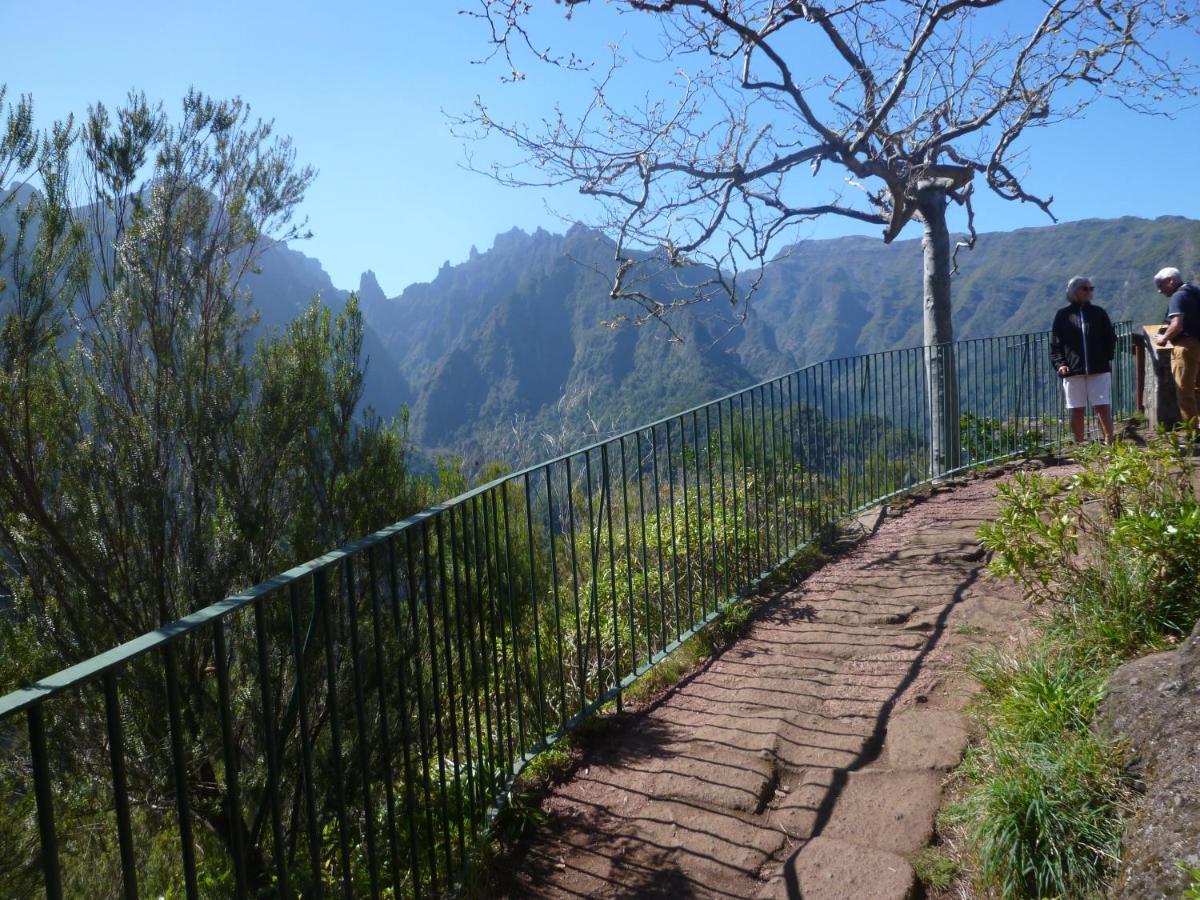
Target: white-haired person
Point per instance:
(1183, 331)
(1082, 343)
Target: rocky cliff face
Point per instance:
(1154, 704)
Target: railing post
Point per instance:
(44, 794)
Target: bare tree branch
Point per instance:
(714, 166)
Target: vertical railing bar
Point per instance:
(854, 404)
(120, 782)
(770, 461)
(783, 531)
(679, 629)
(702, 568)
(593, 535)
(645, 562)
(896, 410)
(780, 537)
(233, 803)
(796, 537)
(606, 489)
(999, 400)
(871, 426)
(179, 770)
(762, 486)
(878, 425)
(537, 639)
(824, 497)
(689, 580)
(451, 689)
(1011, 390)
(751, 485)
(853, 421)
(863, 376)
(987, 352)
(675, 537)
(432, 594)
(837, 470)
(662, 576)
(895, 442)
(555, 591)
(518, 679)
(509, 654)
(580, 662)
(809, 425)
(833, 465)
(984, 350)
(853, 425)
(271, 746)
(360, 719)
(796, 510)
(385, 731)
(733, 490)
(486, 589)
(455, 583)
(712, 504)
(321, 588)
(427, 739)
(44, 795)
(633, 651)
(306, 758)
(475, 596)
(401, 667)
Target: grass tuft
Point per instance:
(1114, 554)
(935, 868)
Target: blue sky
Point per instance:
(363, 88)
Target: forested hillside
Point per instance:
(507, 352)
(857, 295)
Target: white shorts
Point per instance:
(1087, 390)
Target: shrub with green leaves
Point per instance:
(1046, 816)
(1114, 550)
(1111, 552)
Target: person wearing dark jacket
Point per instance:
(1082, 343)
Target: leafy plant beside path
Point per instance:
(1111, 553)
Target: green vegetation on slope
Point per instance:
(1113, 553)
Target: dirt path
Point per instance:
(807, 759)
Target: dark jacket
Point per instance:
(1185, 302)
(1082, 339)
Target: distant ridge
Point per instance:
(505, 355)
(511, 340)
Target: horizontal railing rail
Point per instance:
(351, 725)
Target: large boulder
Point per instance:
(1154, 704)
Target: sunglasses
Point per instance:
(1087, 287)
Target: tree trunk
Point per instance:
(941, 375)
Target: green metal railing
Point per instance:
(349, 726)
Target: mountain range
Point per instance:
(509, 353)
(513, 354)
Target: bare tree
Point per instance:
(915, 101)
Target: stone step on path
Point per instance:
(807, 759)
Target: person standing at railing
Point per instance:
(1082, 344)
(1183, 331)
